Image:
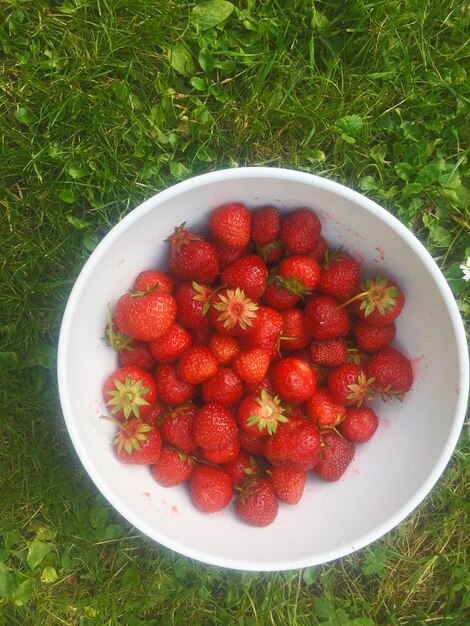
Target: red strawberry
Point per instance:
(193, 301)
(265, 223)
(171, 388)
(156, 414)
(210, 488)
(372, 338)
(261, 414)
(249, 274)
(136, 354)
(296, 446)
(177, 427)
(330, 352)
(196, 365)
(145, 315)
(214, 427)
(348, 384)
(256, 503)
(294, 334)
(265, 331)
(277, 296)
(294, 380)
(299, 274)
(137, 443)
(251, 443)
(231, 225)
(192, 257)
(359, 425)
(240, 467)
(335, 456)
(226, 255)
(232, 312)
(271, 253)
(251, 364)
(221, 455)
(323, 318)
(339, 276)
(323, 410)
(154, 280)
(300, 231)
(172, 468)
(318, 253)
(379, 302)
(391, 372)
(225, 387)
(130, 392)
(171, 345)
(223, 347)
(288, 484)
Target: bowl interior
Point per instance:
(388, 477)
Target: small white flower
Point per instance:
(465, 267)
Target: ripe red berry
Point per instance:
(324, 319)
(225, 387)
(330, 352)
(265, 223)
(294, 334)
(214, 427)
(295, 445)
(145, 315)
(294, 380)
(196, 365)
(171, 345)
(288, 484)
(192, 302)
(176, 427)
(192, 257)
(372, 338)
(249, 273)
(210, 488)
(171, 388)
(335, 456)
(339, 276)
(348, 384)
(172, 468)
(231, 225)
(300, 231)
(359, 424)
(379, 302)
(223, 347)
(391, 372)
(323, 410)
(154, 280)
(256, 503)
(136, 354)
(251, 364)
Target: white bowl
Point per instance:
(388, 477)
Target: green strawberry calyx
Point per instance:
(130, 435)
(360, 391)
(127, 397)
(269, 414)
(376, 294)
(114, 337)
(235, 309)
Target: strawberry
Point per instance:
(330, 352)
(192, 257)
(154, 417)
(256, 503)
(171, 345)
(249, 273)
(299, 274)
(271, 253)
(226, 255)
(339, 276)
(265, 223)
(379, 302)
(277, 296)
(324, 319)
(295, 445)
(251, 364)
(372, 338)
(232, 312)
(240, 467)
(349, 384)
(359, 424)
(210, 488)
(288, 485)
(261, 414)
(221, 455)
(200, 336)
(154, 280)
(136, 354)
(335, 456)
(323, 410)
(391, 372)
(321, 248)
(223, 347)
(192, 302)
(300, 231)
(265, 331)
(137, 443)
(172, 468)
(225, 387)
(231, 224)
(145, 315)
(294, 380)
(294, 334)
(214, 427)
(171, 388)
(130, 392)
(196, 365)
(177, 427)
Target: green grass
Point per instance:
(103, 103)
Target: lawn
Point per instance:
(104, 103)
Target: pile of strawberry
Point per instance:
(250, 362)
